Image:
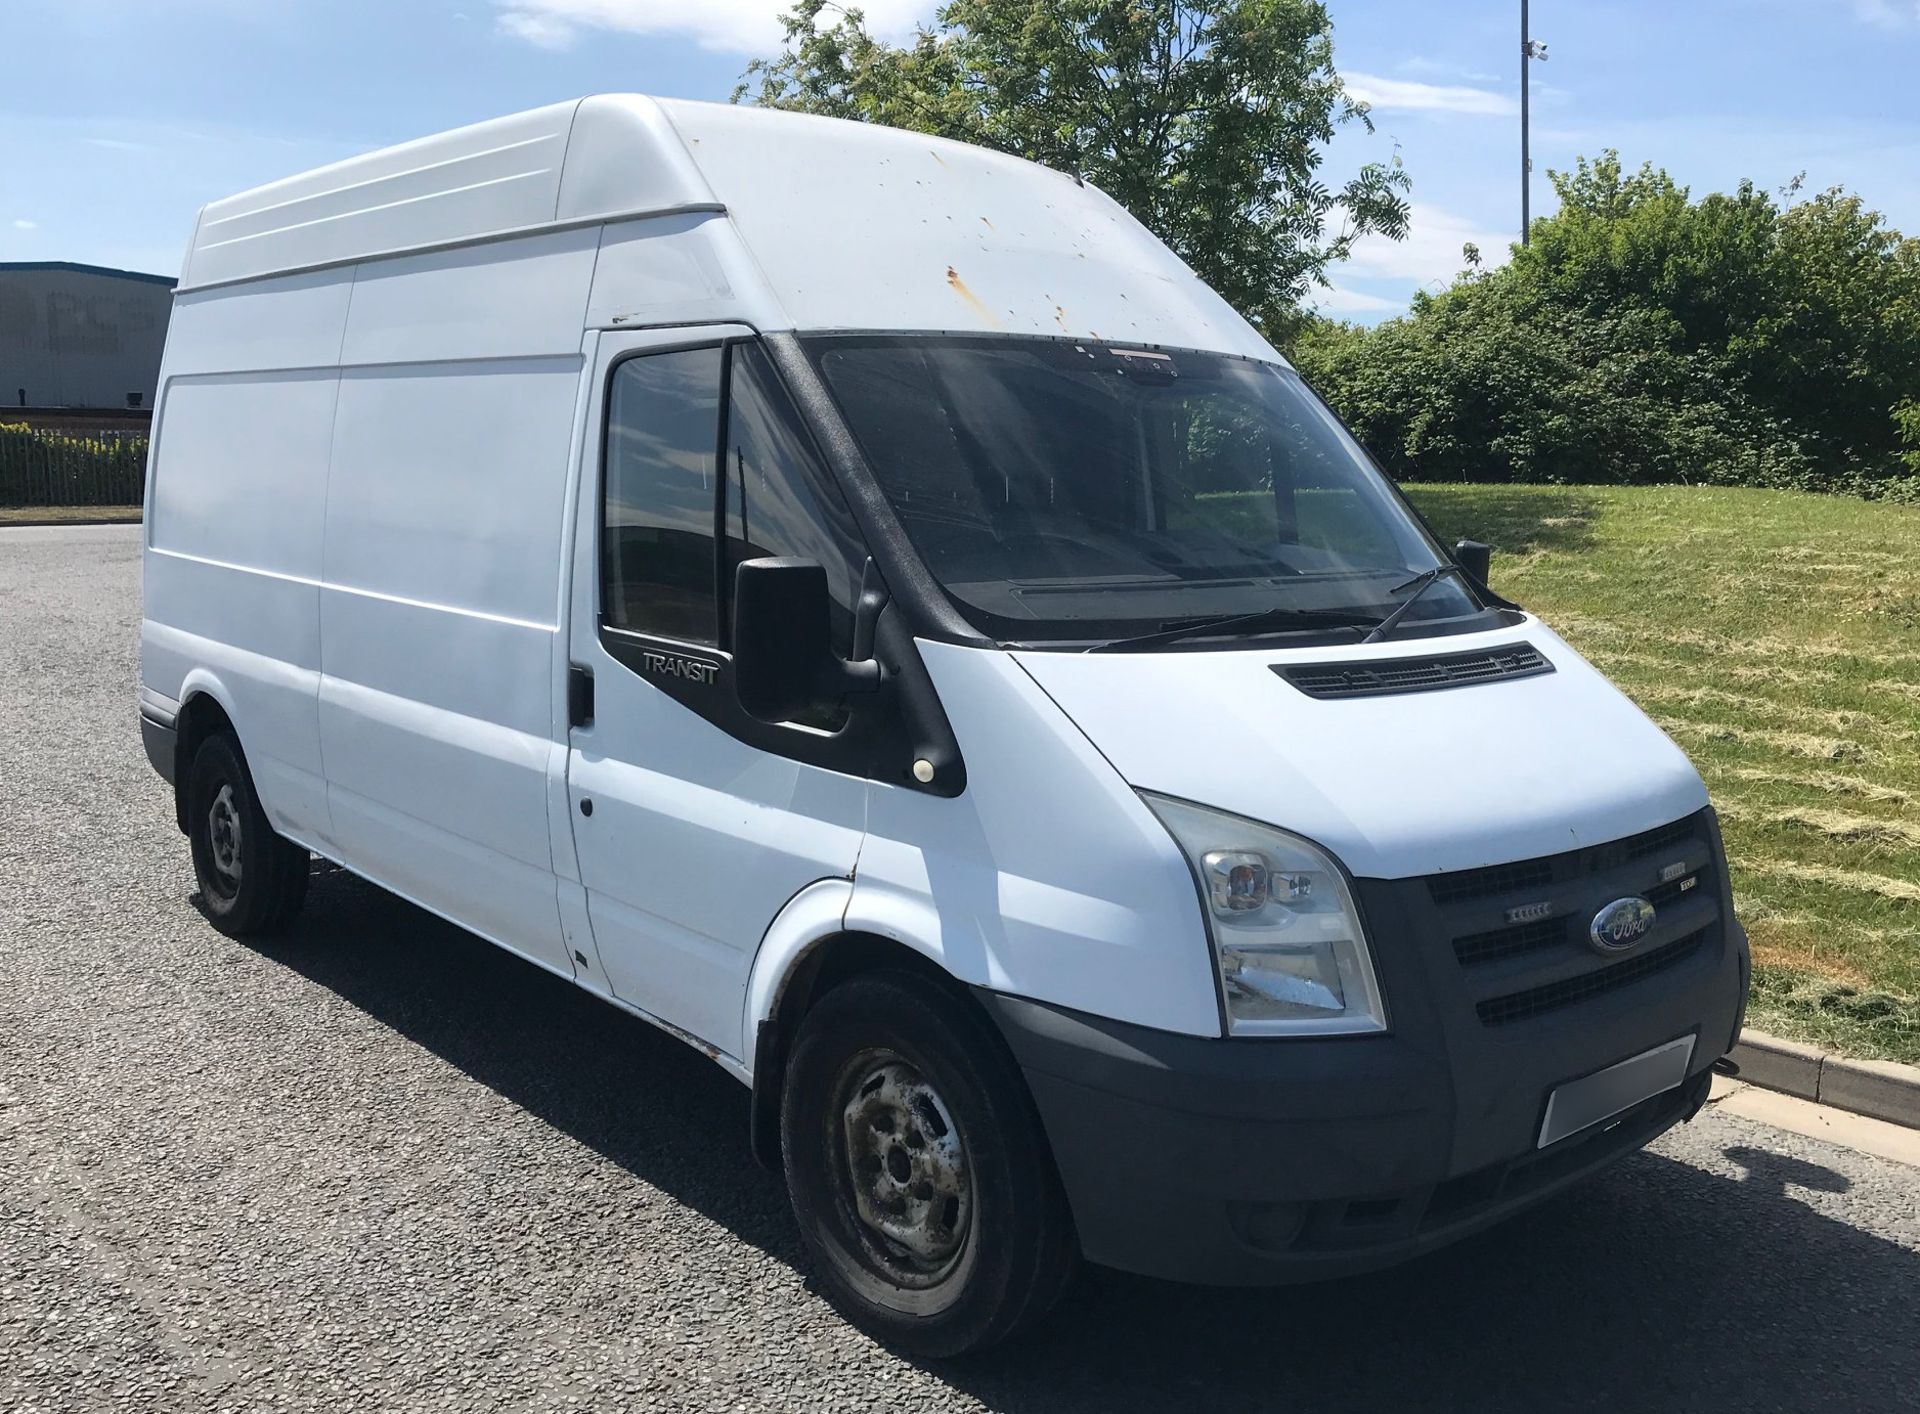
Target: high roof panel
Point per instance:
(491, 177)
(570, 162)
(858, 226)
(853, 226)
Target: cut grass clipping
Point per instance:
(1776, 637)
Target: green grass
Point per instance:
(1776, 636)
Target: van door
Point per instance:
(693, 825)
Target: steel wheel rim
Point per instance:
(224, 840)
(905, 1178)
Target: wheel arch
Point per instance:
(808, 951)
(205, 710)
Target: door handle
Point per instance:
(579, 696)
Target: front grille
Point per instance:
(1672, 890)
(1509, 942)
(1518, 932)
(1519, 1006)
(1378, 677)
(1499, 879)
(1466, 884)
(1612, 856)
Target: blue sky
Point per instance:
(122, 116)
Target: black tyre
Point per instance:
(251, 880)
(918, 1170)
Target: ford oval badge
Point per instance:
(1620, 925)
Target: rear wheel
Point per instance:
(919, 1174)
(251, 879)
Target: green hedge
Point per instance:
(1645, 336)
(39, 468)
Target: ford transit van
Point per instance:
(861, 604)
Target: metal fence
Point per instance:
(45, 468)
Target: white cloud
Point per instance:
(1430, 255)
(1889, 14)
(736, 26)
(1420, 64)
(23, 224)
(1342, 300)
(1408, 96)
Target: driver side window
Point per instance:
(673, 470)
(656, 549)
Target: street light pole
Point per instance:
(1529, 51)
(1526, 157)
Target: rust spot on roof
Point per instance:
(959, 287)
(1060, 315)
(936, 157)
(985, 222)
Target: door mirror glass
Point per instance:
(780, 635)
(784, 666)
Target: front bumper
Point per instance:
(1183, 1163)
(1262, 1160)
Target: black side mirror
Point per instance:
(783, 659)
(1475, 558)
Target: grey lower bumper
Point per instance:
(1242, 1162)
(159, 738)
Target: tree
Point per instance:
(1207, 119)
(1644, 335)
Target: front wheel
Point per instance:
(919, 1174)
(251, 879)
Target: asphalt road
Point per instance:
(380, 1165)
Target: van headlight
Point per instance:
(1287, 942)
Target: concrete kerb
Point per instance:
(131, 517)
(1882, 1089)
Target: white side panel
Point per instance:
(442, 715)
(449, 482)
(864, 227)
(231, 596)
(443, 539)
(502, 299)
(240, 474)
(1396, 786)
(491, 177)
(1047, 877)
(504, 900)
(291, 322)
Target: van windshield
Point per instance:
(1067, 492)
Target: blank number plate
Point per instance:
(1579, 1104)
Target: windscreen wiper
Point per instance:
(1241, 623)
(1419, 584)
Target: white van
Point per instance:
(861, 604)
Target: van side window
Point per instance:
(780, 500)
(656, 554)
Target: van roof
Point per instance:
(852, 225)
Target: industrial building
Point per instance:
(80, 337)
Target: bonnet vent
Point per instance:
(1379, 676)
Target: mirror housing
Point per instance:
(783, 660)
(1475, 558)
